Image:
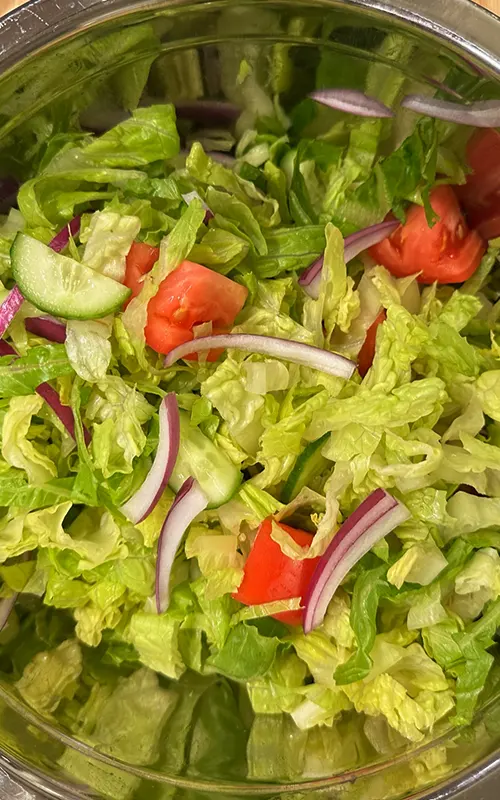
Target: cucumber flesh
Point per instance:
(200, 458)
(60, 285)
(309, 465)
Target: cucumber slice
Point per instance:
(309, 464)
(61, 286)
(198, 456)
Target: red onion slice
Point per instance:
(482, 114)
(47, 328)
(353, 245)
(65, 413)
(6, 349)
(373, 519)
(352, 101)
(9, 308)
(9, 188)
(61, 241)
(45, 390)
(146, 498)
(190, 502)
(208, 111)
(6, 606)
(190, 196)
(304, 354)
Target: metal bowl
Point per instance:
(52, 56)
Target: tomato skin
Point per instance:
(447, 253)
(480, 195)
(140, 260)
(189, 296)
(367, 352)
(271, 575)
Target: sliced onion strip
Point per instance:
(61, 241)
(9, 308)
(9, 188)
(146, 498)
(190, 196)
(304, 354)
(352, 102)
(64, 413)
(6, 349)
(47, 328)
(373, 519)
(51, 397)
(207, 111)
(481, 114)
(353, 245)
(190, 502)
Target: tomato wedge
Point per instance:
(271, 575)
(447, 253)
(480, 195)
(367, 352)
(140, 260)
(190, 296)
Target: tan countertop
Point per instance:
(493, 5)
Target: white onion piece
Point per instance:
(304, 354)
(353, 246)
(377, 516)
(9, 308)
(482, 114)
(190, 196)
(147, 497)
(352, 101)
(6, 606)
(190, 502)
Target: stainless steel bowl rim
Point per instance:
(465, 27)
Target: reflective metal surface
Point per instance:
(55, 55)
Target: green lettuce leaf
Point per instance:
(51, 677)
(107, 240)
(218, 559)
(149, 135)
(338, 302)
(280, 689)
(88, 347)
(409, 403)
(117, 412)
(369, 588)
(246, 654)
(421, 563)
(156, 639)
(110, 722)
(21, 376)
(17, 449)
(321, 655)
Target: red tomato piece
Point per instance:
(480, 195)
(140, 260)
(448, 252)
(367, 352)
(271, 575)
(190, 296)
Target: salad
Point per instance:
(250, 433)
